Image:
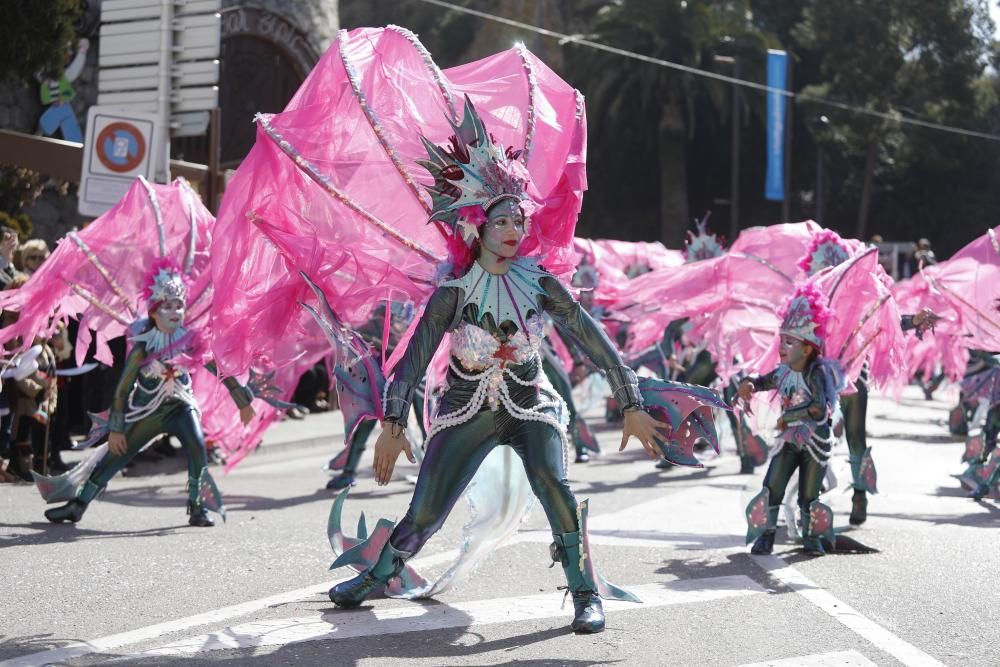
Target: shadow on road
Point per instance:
(454, 645)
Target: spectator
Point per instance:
(33, 253)
(923, 255)
(8, 244)
(8, 473)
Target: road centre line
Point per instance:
(342, 625)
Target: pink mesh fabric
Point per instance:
(332, 186)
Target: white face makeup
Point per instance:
(169, 316)
(793, 352)
(503, 230)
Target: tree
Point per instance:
(641, 115)
(916, 57)
(35, 36)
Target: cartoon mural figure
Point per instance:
(58, 94)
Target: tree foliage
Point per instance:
(35, 36)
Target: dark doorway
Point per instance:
(256, 75)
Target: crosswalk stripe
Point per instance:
(418, 617)
(836, 659)
(150, 632)
(906, 653)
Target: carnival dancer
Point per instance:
(809, 387)
(496, 392)
(515, 208)
(827, 249)
(141, 270)
(154, 396)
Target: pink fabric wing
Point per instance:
(332, 186)
(865, 319)
(969, 282)
(97, 274)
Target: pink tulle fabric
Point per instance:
(121, 246)
(332, 186)
(613, 259)
(863, 323)
(733, 303)
(942, 348)
(124, 243)
(968, 281)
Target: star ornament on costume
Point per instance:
(474, 171)
(167, 285)
(164, 282)
(506, 354)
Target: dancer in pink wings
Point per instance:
(500, 179)
(736, 317)
(968, 282)
(142, 270)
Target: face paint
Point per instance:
(169, 315)
(794, 352)
(503, 230)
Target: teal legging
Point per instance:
(855, 409)
(779, 472)
(172, 418)
(561, 383)
(453, 456)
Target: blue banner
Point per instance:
(777, 77)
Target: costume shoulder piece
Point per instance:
(512, 296)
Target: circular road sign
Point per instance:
(121, 147)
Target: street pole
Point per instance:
(819, 184)
(819, 126)
(787, 202)
(734, 168)
(164, 84)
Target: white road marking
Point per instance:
(428, 617)
(906, 653)
(837, 659)
(207, 618)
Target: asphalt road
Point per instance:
(132, 583)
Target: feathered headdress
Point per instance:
(164, 281)
(473, 175)
(826, 249)
(702, 245)
(805, 315)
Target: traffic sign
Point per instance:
(119, 146)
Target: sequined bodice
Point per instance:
(477, 349)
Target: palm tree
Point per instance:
(641, 115)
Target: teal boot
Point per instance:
(812, 544)
(74, 509)
(350, 594)
(765, 543)
(588, 611)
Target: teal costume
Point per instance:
(154, 397)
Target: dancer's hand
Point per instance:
(781, 425)
(247, 413)
(925, 320)
(117, 444)
(746, 389)
(390, 443)
(647, 430)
